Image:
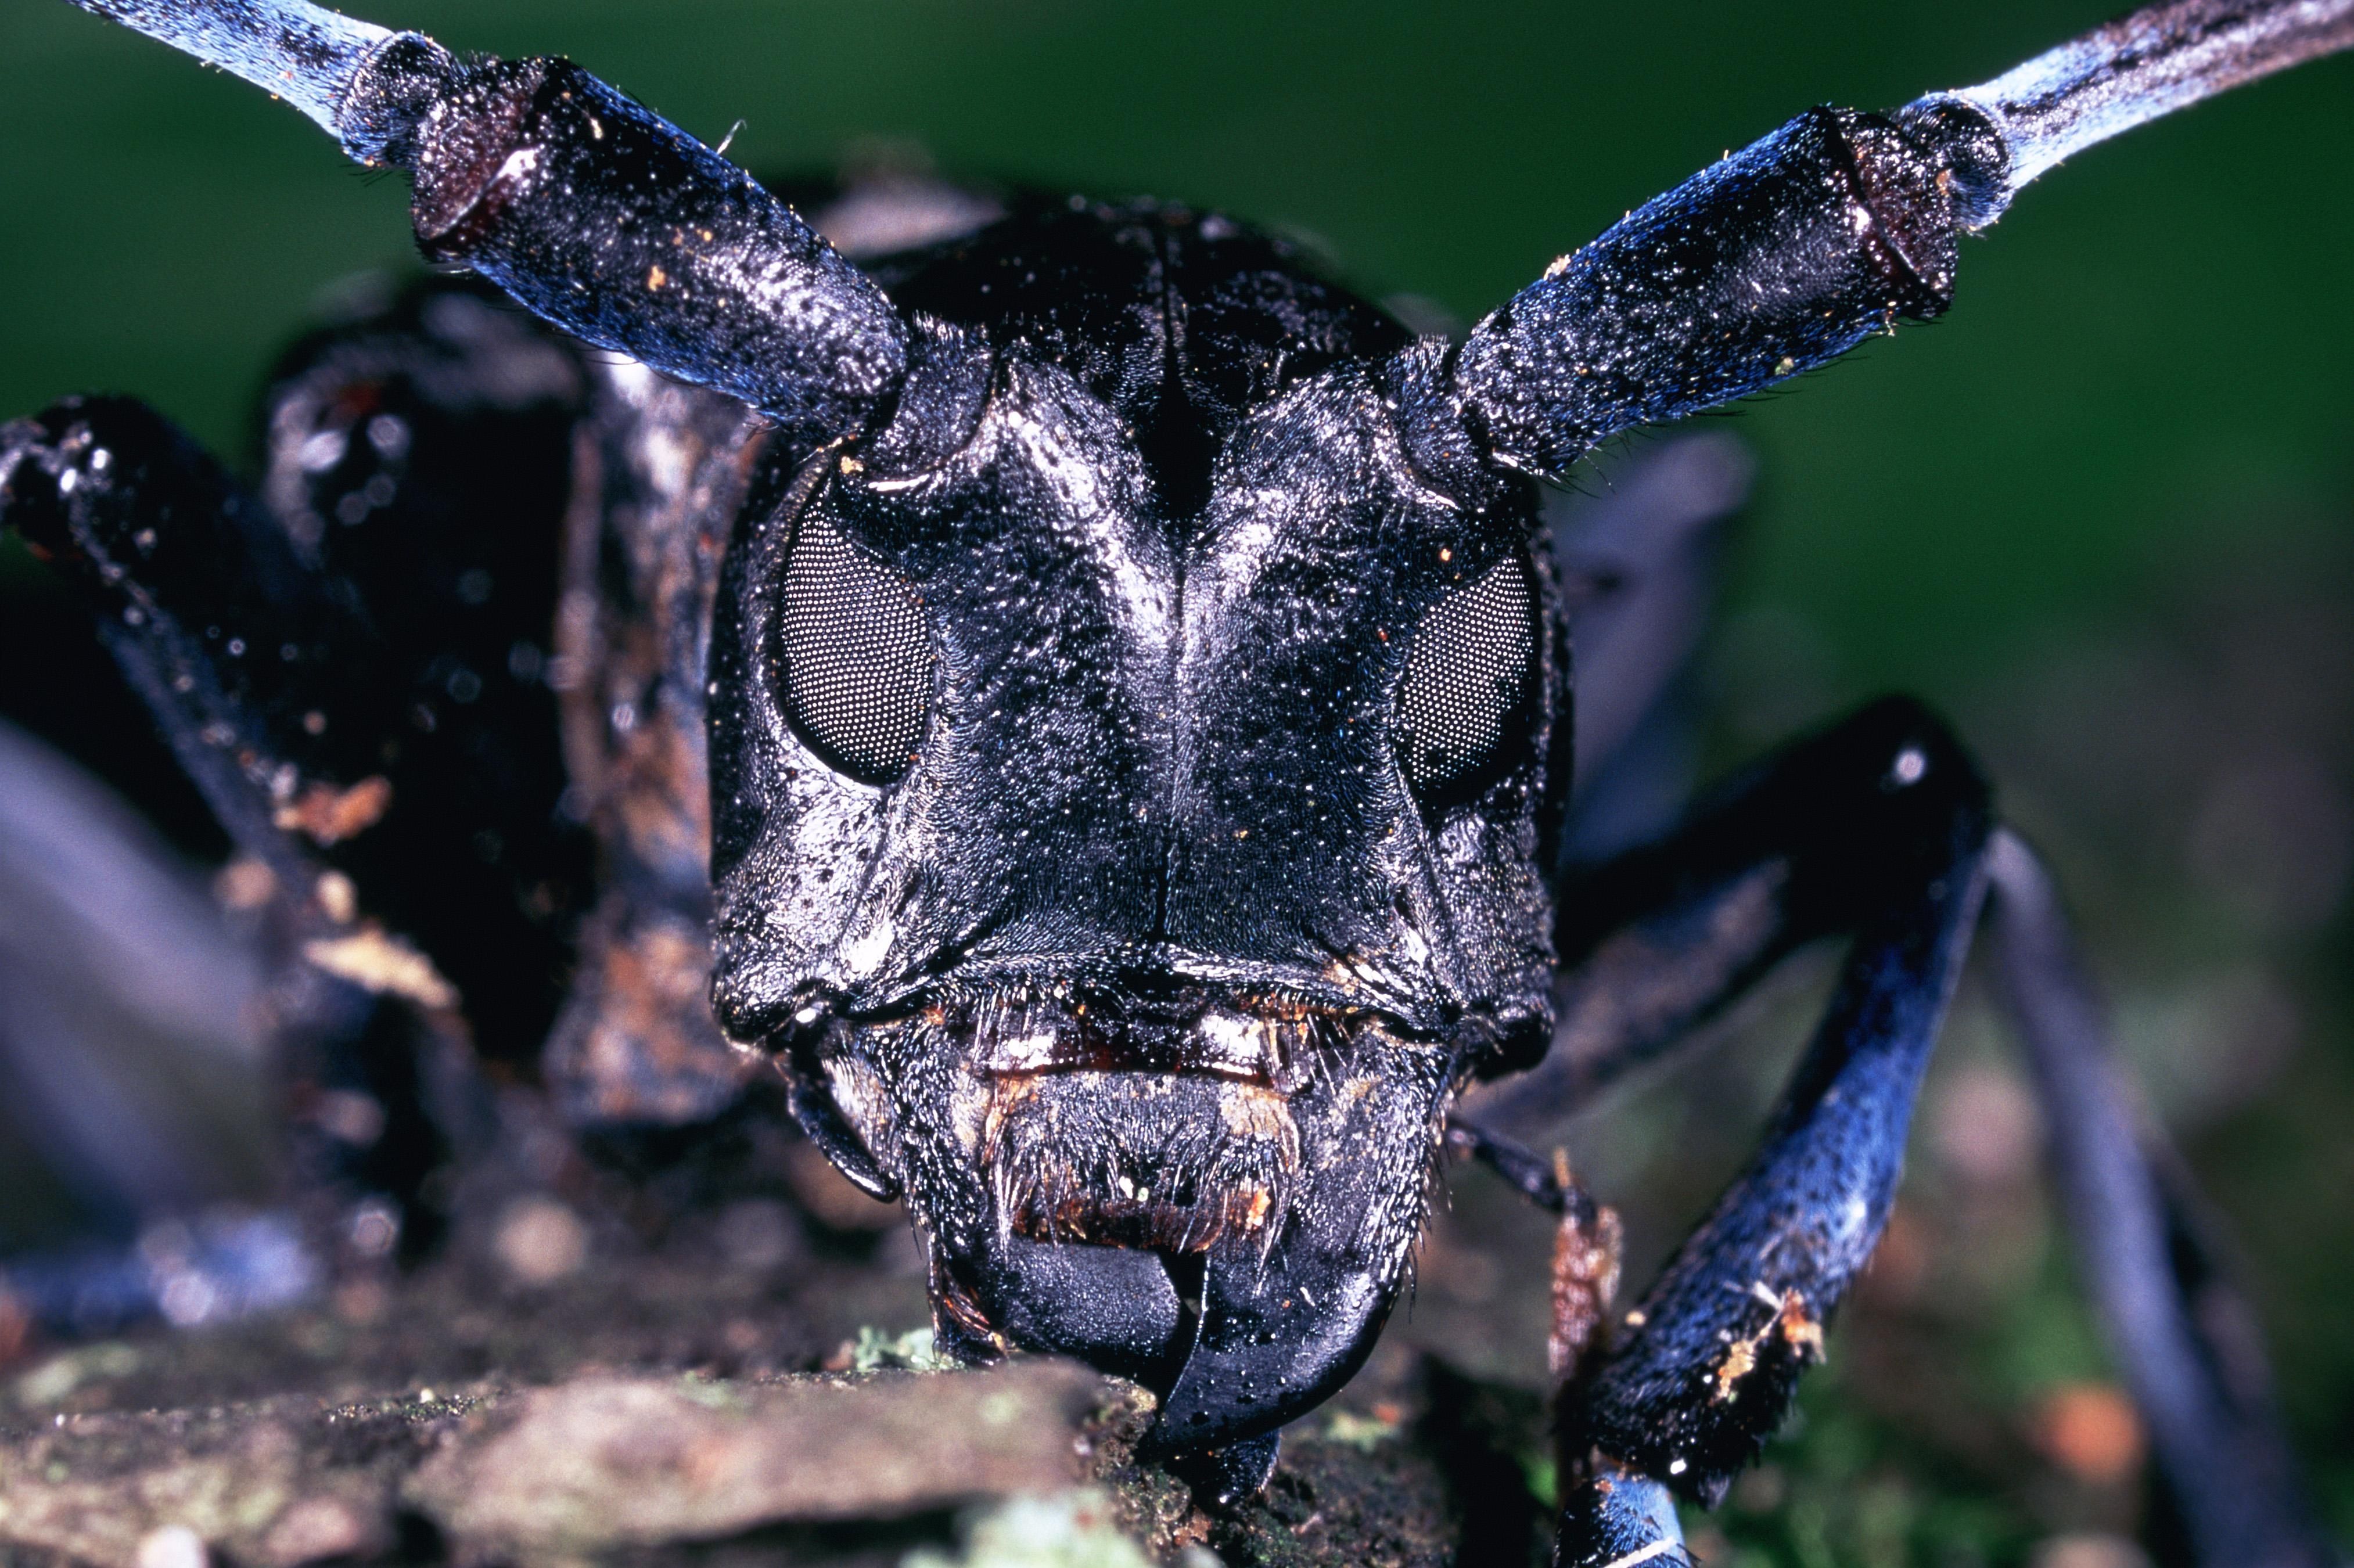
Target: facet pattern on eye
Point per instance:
(854, 655)
(1467, 674)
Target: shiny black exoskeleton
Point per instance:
(1198, 884)
(1091, 699)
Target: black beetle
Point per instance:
(1132, 692)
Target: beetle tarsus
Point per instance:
(1615, 1516)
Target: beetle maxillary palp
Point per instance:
(1586, 1265)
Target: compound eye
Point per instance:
(1471, 672)
(854, 656)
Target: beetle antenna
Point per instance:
(308, 55)
(2156, 60)
(592, 210)
(1831, 230)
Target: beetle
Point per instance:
(1132, 695)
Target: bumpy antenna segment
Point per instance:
(2153, 62)
(590, 209)
(300, 52)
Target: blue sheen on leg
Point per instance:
(1620, 1518)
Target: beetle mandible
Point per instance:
(1133, 697)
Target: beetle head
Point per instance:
(1132, 892)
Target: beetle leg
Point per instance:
(198, 597)
(418, 461)
(1618, 1517)
(1716, 1347)
(2185, 1339)
(129, 1059)
(1663, 939)
(1878, 826)
(1640, 561)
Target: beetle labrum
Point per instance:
(1132, 700)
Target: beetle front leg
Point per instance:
(201, 600)
(1878, 826)
(229, 641)
(1719, 1341)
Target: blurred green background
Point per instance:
(2157, 325)
(2104, 514)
